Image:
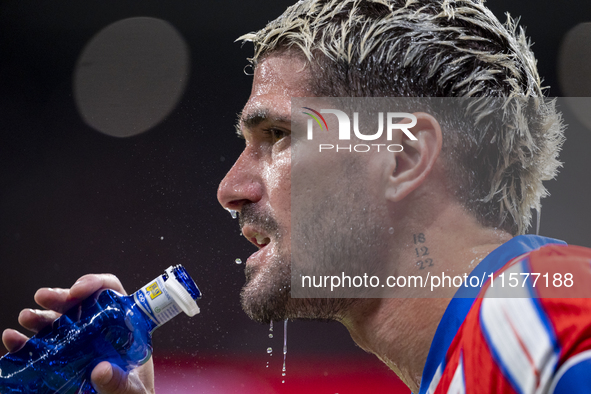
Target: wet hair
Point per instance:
(505, 139)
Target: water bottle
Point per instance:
(105, 327)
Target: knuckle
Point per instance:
(112, 278)
(111, 281)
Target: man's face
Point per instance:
(259, 187)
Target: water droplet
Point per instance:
(284, 345)
(284, 339)
(269, 350)
(283, 381)
(233, 213)
(391, 230)
(161, 238)
(238, 261)
(270, 335)
(283, 374)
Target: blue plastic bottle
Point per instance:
(105, 327)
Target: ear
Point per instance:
(412, 165)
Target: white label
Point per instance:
(156, 302)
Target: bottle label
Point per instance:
(156, 302)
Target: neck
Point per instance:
(399, 331)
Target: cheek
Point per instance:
(277, 175)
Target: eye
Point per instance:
(275, 135)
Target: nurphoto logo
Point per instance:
(345, 129)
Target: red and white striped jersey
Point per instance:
(537, 341)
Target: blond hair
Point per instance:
(424, 48)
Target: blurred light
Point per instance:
(574, 71)
(131, 75)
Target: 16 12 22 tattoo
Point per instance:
(422, 251)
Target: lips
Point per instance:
(261, 240)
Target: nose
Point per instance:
(242, 184)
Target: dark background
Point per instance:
(74, 201)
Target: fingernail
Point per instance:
(80, 282)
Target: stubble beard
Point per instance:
(266, 297)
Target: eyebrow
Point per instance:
(251, 120)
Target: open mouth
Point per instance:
(260, 240)
(255, 237)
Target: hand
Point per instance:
(106, 378)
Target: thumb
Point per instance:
(110, 379)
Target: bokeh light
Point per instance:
(131, 75)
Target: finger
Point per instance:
(35, 320)
(61, 300)
(13, 340)
(58, 300)
(110, 379)
(88, 284)
(106, 379)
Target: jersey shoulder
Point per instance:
(537, 340)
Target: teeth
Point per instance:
(261, 240)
